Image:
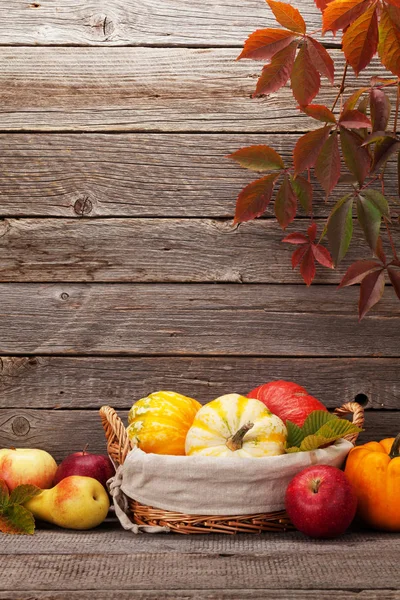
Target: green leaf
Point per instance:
(315, 421)
(23, 493)
(304, 192)
(292, 450)
(314, 441)
(295, 434)
(340, 228)
(4, 494)
(370, 220)
(338, 428)
(378, 200)
(258, 158)
(16, 519)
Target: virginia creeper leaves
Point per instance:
(319, 112)
(258, 158)
(276, 74)
(371, 291)
(264, 43)
(308, 253)
(380, 109)
(340, 228)
(288, 16)
(360, 40)
(358, 270)
(369, 217)
(355, 154)
(305, 78)
(285, 204)
(304, 192)
(389, 42)
(327, 167)
(308, 147)
(394, 276)
(254, 199)
(341, 13)
(354, 119)
(321, 59)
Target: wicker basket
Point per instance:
(118, 445)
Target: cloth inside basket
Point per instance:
(202, 485)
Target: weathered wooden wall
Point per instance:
(120, 269)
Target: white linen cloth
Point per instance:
(204, 485)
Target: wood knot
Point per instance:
(64, 296)
(83, 206)
(20, 426)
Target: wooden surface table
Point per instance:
(109, 563)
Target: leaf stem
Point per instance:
(341, 88)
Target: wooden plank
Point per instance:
(250, 594)
(129, 22)
(62, 432)
(78, 382)
(156, 250)
(146, 89)
(267, 569)
(135, 175)
(159, 319)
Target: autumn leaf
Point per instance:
(340, 228)
(384, 149)
(327, 167)
(258, 158)
(307, 267)
(321, 59)
(14, 518)
(394, 276)
(308, 147)
(23, 493)
(264, 43)
(358, 270)
(389, 42)
(308, 253)
(356, 156)
(319, 112)
(305, 78)
(285, 204)
(354, 119)
(360, 40)
(304, 192)
(371, 291)
(322, 255)
(352, 100)
(380, 109)
(288, 16)
(254, 199)
(277, 73)
(370, 217)
(4, 494)
(339, 14)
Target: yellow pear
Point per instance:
(75, 503)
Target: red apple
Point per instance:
(27, 466)
(287, 400)
(321, 502)
(86, 464)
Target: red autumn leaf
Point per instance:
(389, 42)
(380, 253)
(380, 109)
(354, 119)
(321, 59)
(276, 74)
(327, 167)
(384, 149)
(254, 199)
(264, 43)
(285, 204)
(288, 16)
(394, 12)
(356, 156)
(296, 238)
(298, 255)
(305, 78)
(322, 255)
(371, 291)
(312, 232)
(308, 147)
(319, 112)
(352, 100)
(304, 192)
(258, 158)
(339, 14)
(321, 4)
(360, 40)
(358, 270)
(394, 276)
(307, 267)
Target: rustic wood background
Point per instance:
(121, 272)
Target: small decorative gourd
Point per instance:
(159, 423)
(234, 425)
(374, 471)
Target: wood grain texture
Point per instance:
(376, 594)
(63, 432)
(73, 383)
(146, 89)
(254, 570)
(158, 319)
(157, 250)
(130, 22)
(135, 175)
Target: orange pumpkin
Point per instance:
(374, 471)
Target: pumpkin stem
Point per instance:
(235, 442)
(395, 450)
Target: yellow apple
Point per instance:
(75, 503)
(26, 465)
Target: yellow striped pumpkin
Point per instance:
(159, 423)
(234, 425)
